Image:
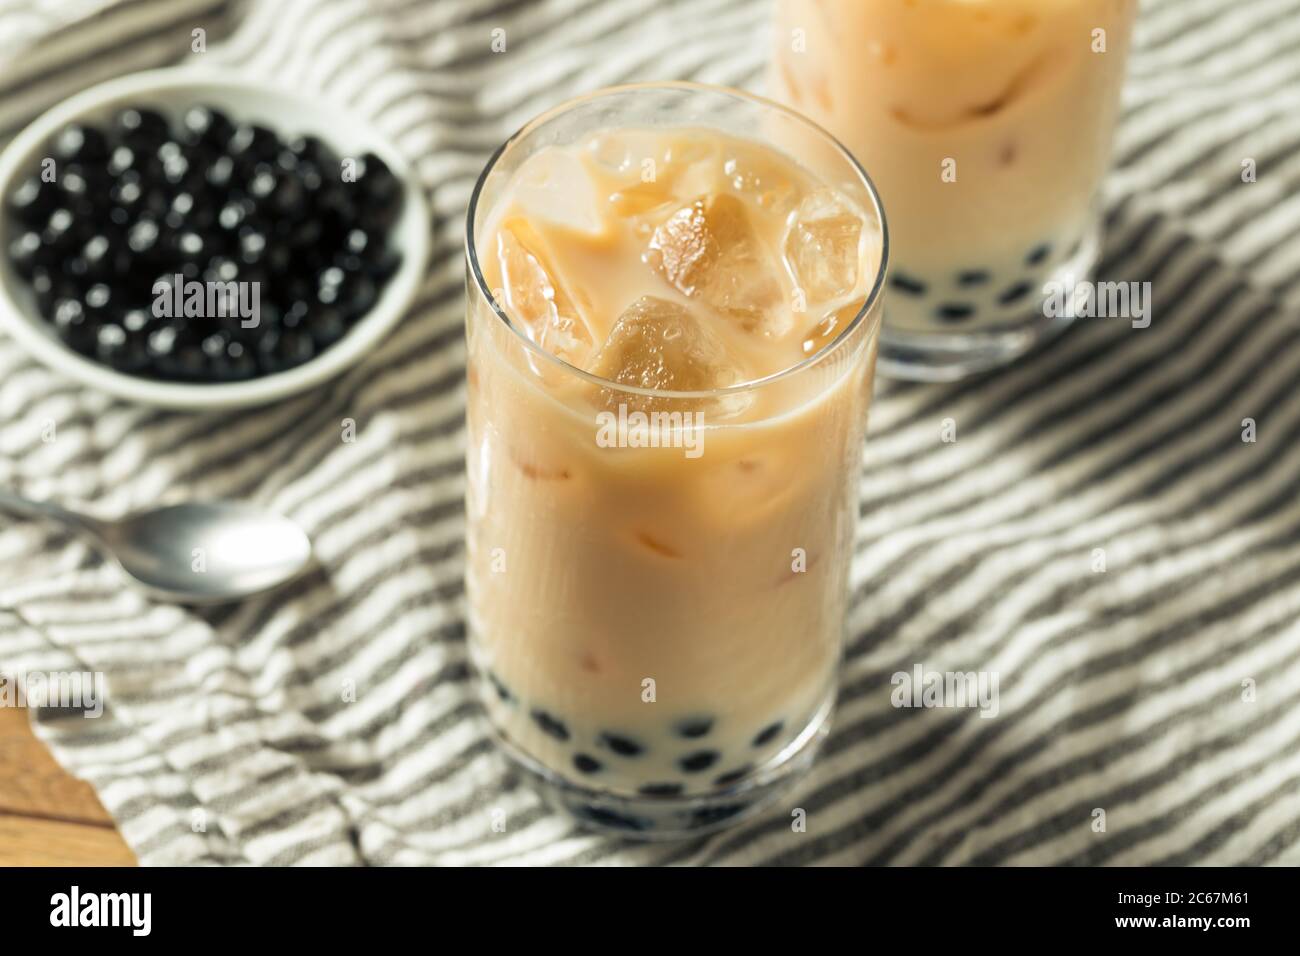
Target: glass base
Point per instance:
(932, 352)
(662, 818)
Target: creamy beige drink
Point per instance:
(986, 125)
(665, 422)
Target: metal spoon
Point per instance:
(196, 553)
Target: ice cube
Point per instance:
(555, 187)
(829, 326)
(640, 198)
(535, 296)
(656, 344)
(708, 249)
(763, 179)
(822, 246)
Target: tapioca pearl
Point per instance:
(1015, 293)
(1038, 255)
(902, 282)
(693, 728)
(972, 277)
(585, 763)
(707, 815)
(549, 725)
(768, 733)
(610, 818)
(732, 776)
(699, 761)
(623, 746)
(954, 312)
(661, 790)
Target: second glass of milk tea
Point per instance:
(987, 125)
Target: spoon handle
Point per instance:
(44, 509)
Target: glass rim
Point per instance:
(872, 298)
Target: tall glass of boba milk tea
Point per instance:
(987, 126)
(674, 298)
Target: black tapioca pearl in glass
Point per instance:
(1038, 255)
(661, 790)
(1015, 293)
(768, 733)
(705, 816)
(901, 282)
(973, 277)
(693, 728)
(732, 776)
(585, 763)
(954, 312)
(614, 820)
(551, 726)
(699, 761)
(623, 746)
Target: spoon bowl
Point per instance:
(211, 552)
(195, 553)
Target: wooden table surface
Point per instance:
(47, 816)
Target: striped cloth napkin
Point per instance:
(1162, 690)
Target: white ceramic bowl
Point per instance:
(170, 92)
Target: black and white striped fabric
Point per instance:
(1162, 690)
